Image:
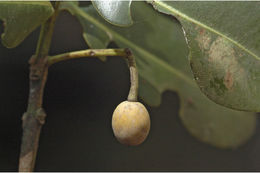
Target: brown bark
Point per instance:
(34, 117)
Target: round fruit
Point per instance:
(131, 123)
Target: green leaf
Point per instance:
(160, 49)
(94, 37)
(224, 42)
(115, 12)
(21, 18)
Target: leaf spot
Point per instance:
(203, 39)
(228, 80)
(221, 52)
(218, 85)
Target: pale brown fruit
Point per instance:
(131, 123)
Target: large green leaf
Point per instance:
(224, 42)
(160, 49)
(21, 18)
(116, 12)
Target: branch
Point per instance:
(91, 53)
(34, 117)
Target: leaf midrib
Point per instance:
(139, 49)
(188, 18)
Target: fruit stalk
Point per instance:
(34, 117)
(133, 92)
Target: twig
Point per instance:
(125, 53)
(86, 53)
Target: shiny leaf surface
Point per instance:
(116, 12)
